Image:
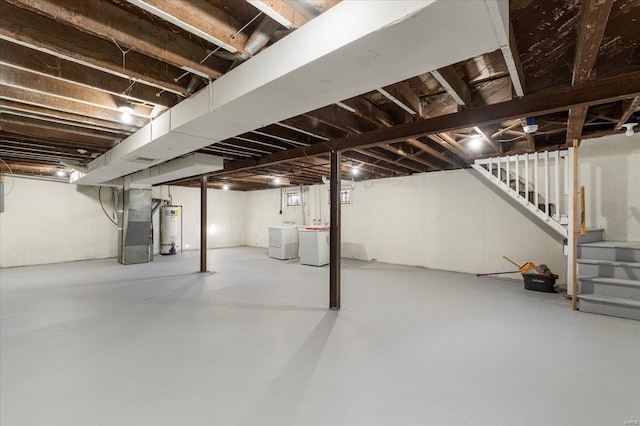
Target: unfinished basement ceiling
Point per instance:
(66, 67)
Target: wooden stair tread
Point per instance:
(622, 301)
(612, 281)
(609, 263)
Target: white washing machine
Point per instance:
(283, 242)
(314, 245)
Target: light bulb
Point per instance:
(475, 143)
(629, 127)
(355, 171)
(277, 181)
(126, 117)
(225, 187)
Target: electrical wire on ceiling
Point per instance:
(12, 178)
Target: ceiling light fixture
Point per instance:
(126, 109)
(629, 127)
(60, 170)
(476, 141)
(225, 187)
(531, 126)
(277, 181)
(355, 170)
(82, 151)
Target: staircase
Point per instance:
(609, 276)
(534, 181)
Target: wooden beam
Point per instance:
(437, 138)
(39, 33)
(628, 108)
(109, 22)
(50, 86)
(282, 12)
(42, 63)
(59, 132)
(426, 148)
(390, 160)
(453, 142)
(42, 100)
(594, 15)
(200, 18)
(402, 95)
(488, 139)
(412, 157)
(74, 119)
(512, 59)
(610, 89)
(451, 81)
(388, 168)
(575, 123)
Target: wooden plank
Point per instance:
(43, 63)
(451, 81)
(52, 131)
(109, 22)
(426, 148)
(38, 32)
(575, 123)
(50, 86)
(629, 106)
(531, 142)
(414, 157)
(42, 100)
(594, 15)
(390, 160)
(583, 229)
(201, 18)
(516, 74)
(437, 138)
(283, 9)
(488, 139)
(70, 118)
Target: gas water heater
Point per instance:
(170, 229)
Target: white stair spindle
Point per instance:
(546, 183)
(557, 184)
(526, 177)
(517, 175)
(535, 180)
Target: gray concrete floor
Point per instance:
(97, 343)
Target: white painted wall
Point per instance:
(49, 222)
(609, 169)
(225, 216)
(446, 220)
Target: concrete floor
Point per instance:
(97, 343)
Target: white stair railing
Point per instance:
(534, 181)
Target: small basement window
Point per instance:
(293, 199)
(345, 196)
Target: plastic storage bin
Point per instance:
(542, 283)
